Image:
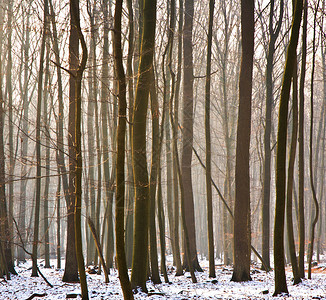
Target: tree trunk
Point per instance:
(267, 137)
(187, 137)
(120, 173)
(71, 266)
(174, 111)
(314, 196)
(130, 192)
(47, 137)
(74, 14)
(58, 208)
(242, 232)
(301, 144)
(91, 255)
(7, 264)
(38, 142)
(280, 279)
(24, 140)
(210, 232)
(289, 190)
(140, 247)
(155, 164)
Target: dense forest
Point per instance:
(136, 130)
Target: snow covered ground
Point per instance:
(261, 287)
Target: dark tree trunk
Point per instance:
(74, 14)
(289, 191)
(71, 267)
(312, 184)
(301, 144)
(208, 144)
(267, 137)
(187, 136)
(121, 136)
(280, 279)
(242, 232)
(140, 247)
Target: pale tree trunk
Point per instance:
(90, 137)
(10, 119)
(7, 264)
(174, 111)
(62, 170)
(130, 192)
(24, 138)
(38, 142)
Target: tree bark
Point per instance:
(313, 189)
(289, 190)
(74, 14)
(267, 136)
(121, 135)
(187, 137)
(140, 247)
(301, 143)
(210, 232)
(71, 266)
(242, 232)
(38, 142)
(279, 268)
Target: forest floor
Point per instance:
(24, 286)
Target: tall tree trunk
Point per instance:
(313, 189)
(280, 279)
(91, 255)
(273, 33)
(5, 243)
(120, 173)
(187, 137)
(130, 192)
(47, 137)
(24, 139)
(74, 14)
(58, 211)
(208, 144)
(140, 250)
(242, 232)
(301, 143)
(71, 266)
(289, 190)
(10, 120)
(105, 137)
(38, 142)
(161, 222)
(155, 164)
(60, 136)
(60, 116)
(174, 112)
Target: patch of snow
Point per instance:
(23, 286)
